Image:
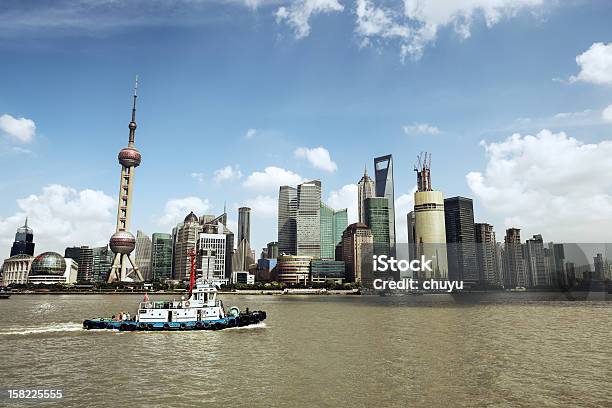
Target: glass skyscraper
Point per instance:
(333, 224)
(308, 220)
(161, 256)
(383, 175)
(24, 241)
(377, 219)
(287, 218)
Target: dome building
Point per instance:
(15, 269)
(51, 267)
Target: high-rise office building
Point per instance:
(308, 220)
(430, 228)
(514, 270)
(377, 220)
(161, 256)
(272, 250)
(365, 189)
(122, 242)
(383, 175)
(599, 263)
(560, 278)
(213, 244)
(287, 220)
(537, 273)
(143, 254)
(486, 255)
(102, 260)
(24, 241)
(83, 256)
(333, 223)
(244, 224)
(460, 240)
(185, 241)
(357, 250)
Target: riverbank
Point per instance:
(183, 293)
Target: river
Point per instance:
(313, 351)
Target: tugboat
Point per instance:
(201, 311)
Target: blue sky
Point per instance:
(246, 83)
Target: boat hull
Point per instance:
(244, 319)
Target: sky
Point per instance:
(236, 97)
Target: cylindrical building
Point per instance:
(430, 228)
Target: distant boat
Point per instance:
(5, 293)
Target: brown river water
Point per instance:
(506, 350)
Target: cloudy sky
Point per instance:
(513, 98)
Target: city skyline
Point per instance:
(68, 137)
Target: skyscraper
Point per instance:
(460, 240)
(430, 228)
(122, 243)
(377, 220)
(102, 260)
(161, 256)
(24, 241)
(486, 255)
(308, 220)
(537, 273)
(365, 189)
(383, 174)
(213, 244)
(143, 254)
(357, 243)
(272, 250)
(333, 223)
(83, 256)
(287, 218)
(244, 224)
(514, 271)
(185, 241)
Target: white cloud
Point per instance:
(22, 130)
(62, 216)
(228, 173)
(318, 157)
(403, 205)
(271, 179)
(176, 209)
(346, 197)
(421, 128)
(549, 183)
(263, 205)
(298, 14)
(198, 176)
(416, 25)
(595, 65)
(606, 115)
(250, 133)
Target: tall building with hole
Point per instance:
(383, 176)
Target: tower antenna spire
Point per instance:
(132, 125)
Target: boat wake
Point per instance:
(260, 325)
(51, 328)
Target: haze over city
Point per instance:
(238, 98)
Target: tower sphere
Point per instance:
(132, 125)
(122, 242)
(129, 157)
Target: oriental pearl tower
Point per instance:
(122, 243)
